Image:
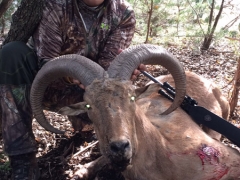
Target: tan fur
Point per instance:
(161, 147)
(206, 94)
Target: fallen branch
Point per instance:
(233, 39)
(84, 149)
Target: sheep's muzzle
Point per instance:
(120, 154)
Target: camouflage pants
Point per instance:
(16, 74)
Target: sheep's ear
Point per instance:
(73, 109)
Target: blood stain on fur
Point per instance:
(210, 155)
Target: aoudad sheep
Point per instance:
(140, 132)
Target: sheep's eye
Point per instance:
(88, 106)
(132, 98)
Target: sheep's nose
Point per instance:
(120, 146)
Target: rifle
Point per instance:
(199, 114)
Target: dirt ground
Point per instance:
(60, 156)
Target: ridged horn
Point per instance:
(125, 63)
(73, 65)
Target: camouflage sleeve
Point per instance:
(48, 36)
(120, 38)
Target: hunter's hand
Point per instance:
(72, 81)
(77, 82)
(137, 71)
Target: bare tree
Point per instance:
(234, 96)
(150, 11)
(4, 6)
(3, 24)
(211, 29)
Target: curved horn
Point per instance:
(125, 63)
(75, 66)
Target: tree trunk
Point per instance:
(0, 122)
(3, 23)
(149, 21)
(207, 41)
(234, 97)
(4, 6)
(25, 20)
(209, 36)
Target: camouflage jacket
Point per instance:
(71, 27)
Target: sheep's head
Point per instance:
(111, 107)
(87, 71)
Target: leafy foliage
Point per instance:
(174, 20)
(4, 164)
